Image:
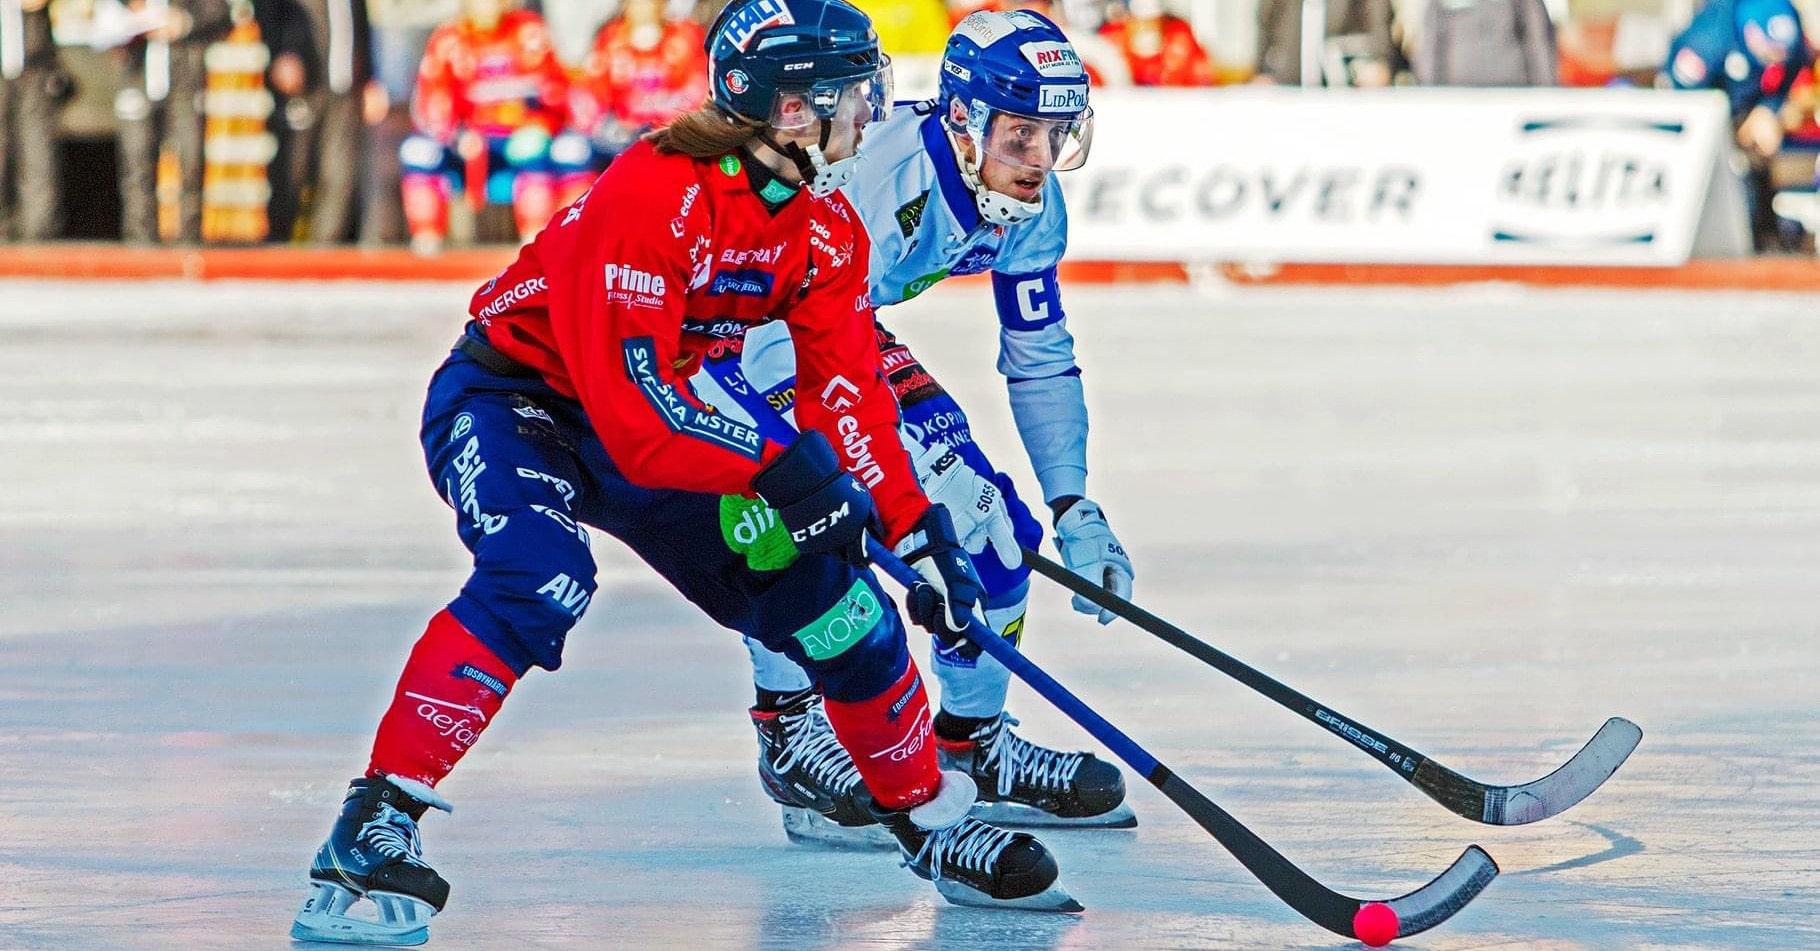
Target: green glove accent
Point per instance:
(752, 528)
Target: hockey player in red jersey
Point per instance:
(491, 101)
(566, 402)
(642, 72)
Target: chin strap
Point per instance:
(820, 176)
(993, 206)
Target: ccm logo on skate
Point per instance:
(1350, 732)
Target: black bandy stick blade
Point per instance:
(1573, 781)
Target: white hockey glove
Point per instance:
(1090, 550)
(974, 503)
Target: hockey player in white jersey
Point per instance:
(960, 184)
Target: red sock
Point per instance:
(450, 690)
(891, 741)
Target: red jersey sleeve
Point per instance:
(618, 325)
(840, 382)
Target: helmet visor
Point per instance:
(840, 102)
(1042, 144)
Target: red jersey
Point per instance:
(646, 87)
(1169, 56)
(618, 298)
(492, 82)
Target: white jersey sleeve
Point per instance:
(1036, 351)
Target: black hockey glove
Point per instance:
(950, 587)
(825, 508)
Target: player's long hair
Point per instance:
(705, 133)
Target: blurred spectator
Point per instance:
(1798, 113)
(1752, 49)
(491, 99)
(1486, 43)
(641, 73)
(1159, 47)
(159, 45)
(400, 29)
(31, 87)
(1357, 38)
(1622, 50)
(321, 65)
(574, 24)
(1105, 63)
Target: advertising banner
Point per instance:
(1445, 176)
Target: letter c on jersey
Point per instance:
(1034, 310)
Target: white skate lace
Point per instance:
(392, 834)
(1014, 757)
(968, 844)
(811, 742)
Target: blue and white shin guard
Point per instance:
(975, 687)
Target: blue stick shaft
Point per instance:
(1001, 650)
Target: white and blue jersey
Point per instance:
(925, 226)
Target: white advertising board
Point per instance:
(1445, 176)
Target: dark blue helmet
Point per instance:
(1013, 87)
(1017, 62)
(758, 49)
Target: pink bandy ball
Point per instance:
(1375, 924)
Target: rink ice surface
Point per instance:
(1481, 520)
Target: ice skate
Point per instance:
(970, 862)
(373, 852)
(813, 779)
(1023, 784)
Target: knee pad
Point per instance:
(855, 649)
(533, 579)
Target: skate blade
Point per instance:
(810, 828)
(402, 921)
(1020, 816)
(1054, 899)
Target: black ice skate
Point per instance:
(1023, 784)
(811, 776)
(970, 862)
(373, 852)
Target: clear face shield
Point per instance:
(1039, 144)
(841, 103)
(842, 107)
(1013, 154)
